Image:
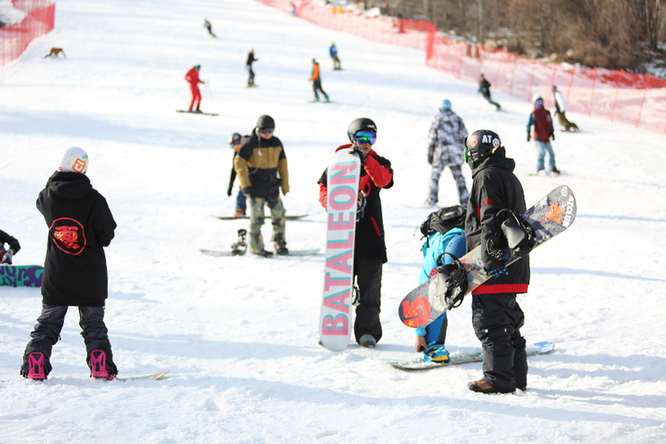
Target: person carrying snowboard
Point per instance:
(561, 111)
(315, 78)
(192, 78)
(484, 89)
(248, 66)
(543, 132)
(80, 226)
(261, 166)
(14, 247)
(445, 236)
(235, 142)
(446, 143)
(496, 315)
(369, 243)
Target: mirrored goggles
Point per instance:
(365, 137)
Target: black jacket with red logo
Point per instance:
(375, 175)
(80, 224)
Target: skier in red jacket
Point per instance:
(192, 78)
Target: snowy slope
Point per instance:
(239, 334)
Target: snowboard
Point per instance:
(457, 358)
(159, 376)
(192, 112)
(218, 253)
(550, 216)
(320, 101)
(288, 217)
(21, 275)
(335, 319)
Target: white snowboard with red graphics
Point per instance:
(335, 320)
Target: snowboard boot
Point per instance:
(481, 386)
(555, 171)
(35, 367)
(436, 353)
(97, 364)
(281, 249)
(367, 341)
(239, 212)
(263, 253)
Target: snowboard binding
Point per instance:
(6, 256)
(517, 236)
(239, 248)
(455, 278)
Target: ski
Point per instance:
(194, 112)
(287, 217)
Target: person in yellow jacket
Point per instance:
(261, 166)
(315, 78)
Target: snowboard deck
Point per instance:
(335, 317)
(192, 112)
(550, 216)
(219, 253)
(287, 217)
(320, 101)
(538, 348)
(21, 275)
(159, 376)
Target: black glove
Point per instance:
(529, 137)
(430, 158)
(14, 245)
(356, 149)
(552, 136)
(246, 191)
(229, 188)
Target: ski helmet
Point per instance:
(481, 144)
(446, 105)
(235, 140)
(75, 160)
(265, 122)
(197, 67)
(360, 124)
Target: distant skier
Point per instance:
(235, 142)
(543, 132)
(446, 143)
(484, 89)
(561, 110)
(80, 225)
(333, 51)
(209, 27)
(192, 78)
(315, 78)
(248, 65)
(14, 247)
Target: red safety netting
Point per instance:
(619, 96)
(14, 39)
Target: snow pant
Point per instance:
(316, 86)
(257, 219)
(47, 332)
(250, 78)
(196, 96)
(565, 123)
(456, 170)
(490, 100)
(336, 62)
(542, 149)
(435, 333)
(497, 319)
(368, 274)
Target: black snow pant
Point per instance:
(368, 273)
(47, 332)
(497, 319)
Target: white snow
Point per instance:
(239, 335)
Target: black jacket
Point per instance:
(261, 165)
(495, 187)
(80, 224)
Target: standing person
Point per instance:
(261, 165)
(446, 144)
(209, 27)
(561, 110)
(496, 316)
(80, 226)
(484, 89)
(316, 81)
(14, 247)
(333, 51)
(369, 243)
(248, 65)
(543, 132)
(192, 78)
(235, 142)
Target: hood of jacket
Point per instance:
(72, 186)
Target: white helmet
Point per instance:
(75, 160)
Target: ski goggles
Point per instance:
(266, 130)
(365, 137)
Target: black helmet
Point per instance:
(481, 144)
(360, 124)
(265, 122)
(235, 140)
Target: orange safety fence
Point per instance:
(618, 96)
(14, 39)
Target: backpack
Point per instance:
(443, 220)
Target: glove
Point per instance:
(497, 272)
(529, 137)
(246, 191)
(229, 188)
(552, 136)
(356, 149)
(430, 159)
(14, 245)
